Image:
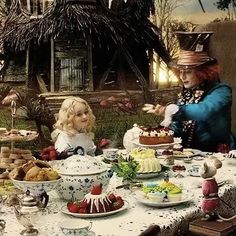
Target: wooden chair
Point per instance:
(152, 230)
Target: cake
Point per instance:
(154, 136)
(146, 159)
(96, 202)
(165, 191)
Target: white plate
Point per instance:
(185, 198)
(164, 145)
(147, 175)
(94, 215)
(194, 151)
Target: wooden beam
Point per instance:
(106, 73)
(90, 65)
(27, 65)
(52, 75)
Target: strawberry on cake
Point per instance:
(154, 136)
(96, 202)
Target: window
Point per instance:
(36, 7)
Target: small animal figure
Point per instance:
(211, 201)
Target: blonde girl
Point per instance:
(74, 126)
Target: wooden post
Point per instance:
(151, 70)
(28, 5)
(27, 65)
(52, 75)
(90, 65)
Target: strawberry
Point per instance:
(112, 197)
(53, 155)
(118, 204)
(118, 198)
(83, 204)
(74, 208)
(83, 210)
(45, 157)
(69, 204)
(96, 189)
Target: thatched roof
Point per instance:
(62, 17)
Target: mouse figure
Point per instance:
(211, 201)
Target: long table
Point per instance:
(138, 217)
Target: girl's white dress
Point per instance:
(66, 142)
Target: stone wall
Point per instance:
(223, 48)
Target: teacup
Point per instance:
(75, 227)
(195, 170)
(110, 153)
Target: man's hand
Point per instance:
(158, 109)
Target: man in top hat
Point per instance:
(202, 115)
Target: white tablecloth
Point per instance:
(137, 217)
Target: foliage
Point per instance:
(4, 8)
(125, 168)
(229, 6)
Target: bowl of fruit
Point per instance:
(78, 174)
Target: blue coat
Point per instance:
(212, 115)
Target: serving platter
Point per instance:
(157, 146)
(147, 175)
(186, 197)
(188, 152)
(94, 215)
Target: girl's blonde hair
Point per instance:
(67, 113)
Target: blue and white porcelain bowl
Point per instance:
(78, 174)
(77, 227)
(36, 187)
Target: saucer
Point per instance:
(194, 173)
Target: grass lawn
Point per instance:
(109, 125)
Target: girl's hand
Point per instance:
(157, 110)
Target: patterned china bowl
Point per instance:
(36, 187)
(78, 174)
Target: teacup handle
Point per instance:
(44, 199)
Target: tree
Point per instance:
(167, 25)
(229, 6)
(4, 8)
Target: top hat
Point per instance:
(193, 49)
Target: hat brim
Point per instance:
(176, 65)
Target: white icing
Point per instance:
(94, 200)
(149, 165)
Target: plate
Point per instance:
(164, 145)
(147, 175)
(194, 152)
(185, 198)
(94, 215)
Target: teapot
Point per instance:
(27, 213)
(130, 136)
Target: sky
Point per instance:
(190, 10)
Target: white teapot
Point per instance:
(130, 136)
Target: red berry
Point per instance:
(83, 204)
(74, 208)
(118, 198)
(112, 197)
(118, 204)
(53, 155)
(96, 189)
(83, 210)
